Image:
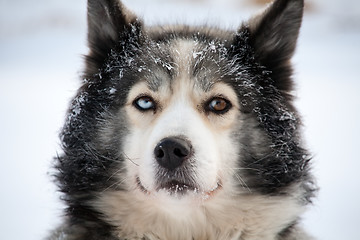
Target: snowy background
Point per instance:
(41, 48)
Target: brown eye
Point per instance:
(219, 105)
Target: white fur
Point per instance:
(223, 217)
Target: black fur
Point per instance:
(255, 60)
(286, 162)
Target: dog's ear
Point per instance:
(109, 22)
(273, 36)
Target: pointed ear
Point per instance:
(273, 36)
(109, 22)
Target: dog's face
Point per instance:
(181, 137)
(197, 115)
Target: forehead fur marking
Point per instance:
(182, 53)
(187, 55)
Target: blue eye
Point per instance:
(144, 103)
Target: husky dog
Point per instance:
(185, 133)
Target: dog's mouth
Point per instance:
(177, 188)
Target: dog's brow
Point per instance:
(203, 83)
(205, 77)
(154, 83)
(157, 79)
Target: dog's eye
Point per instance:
(219, 105)
(144, 103)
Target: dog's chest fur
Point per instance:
(231, 218)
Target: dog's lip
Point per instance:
(175, 187)
(140, 186)
(215, 189)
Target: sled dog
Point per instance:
(185, 133)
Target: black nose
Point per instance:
(170, 153)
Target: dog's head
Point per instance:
(185, 112)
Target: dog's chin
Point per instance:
(178, 189)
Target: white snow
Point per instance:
(112, 91)
(41, 43)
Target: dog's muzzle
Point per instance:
(175, 173)
(176, 169)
